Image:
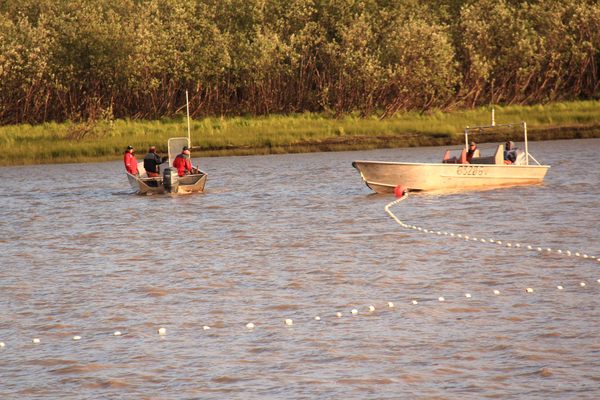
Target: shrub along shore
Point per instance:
(76, 59)
(106, 139)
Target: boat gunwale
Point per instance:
(450, 164)
(143, 188)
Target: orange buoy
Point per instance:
(399, 191)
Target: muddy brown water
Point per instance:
(298, 236)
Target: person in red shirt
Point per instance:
(182, 162)
(131, 164)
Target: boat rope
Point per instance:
(403, 194)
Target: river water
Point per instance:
(295, 237)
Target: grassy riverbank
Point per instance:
(106, 140)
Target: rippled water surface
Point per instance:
(299, 236)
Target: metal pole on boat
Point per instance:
(187, 106)
(467, 138)
(492, 104)
(526, 148)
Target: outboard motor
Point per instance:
(170, 180)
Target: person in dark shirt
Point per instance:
(510, 153)
(152, 163)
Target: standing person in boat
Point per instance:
(182, 162)
(472, 151)
(510, 152)
(130, 161)
(152, 163)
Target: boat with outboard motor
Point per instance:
(169, 181)
(456, 173)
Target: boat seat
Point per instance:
(445, 158)
(455, 160)
(499, 155)
(483, 160)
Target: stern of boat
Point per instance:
(192, 183)
(145, 185)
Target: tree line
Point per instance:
(84, 59)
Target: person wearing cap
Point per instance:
(152, 163)
(183, 163)
(472, 151)
(130, 161)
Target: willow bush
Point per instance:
(81, 59)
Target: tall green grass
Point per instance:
(106, 140)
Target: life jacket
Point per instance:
(183, 164)
(130, 163)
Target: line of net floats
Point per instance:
(364, 310)
(382, 309)
(403, 194)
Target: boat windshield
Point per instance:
(175, 147)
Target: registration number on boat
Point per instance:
(469, 170)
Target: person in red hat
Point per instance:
(183, 163)
(130, 161)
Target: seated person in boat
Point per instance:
(182, 162)
(510, 153)
(472, 152)
(130, 161)
(152, 163)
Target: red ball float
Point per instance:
(399, 191)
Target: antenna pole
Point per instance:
(187, 106)
(526, 148)
(492, 104)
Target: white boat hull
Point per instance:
(383, 177)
